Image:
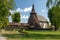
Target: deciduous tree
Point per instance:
(16, 17)
(5, 6)
(54, 16)
(51, 3)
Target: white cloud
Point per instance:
(24, 16)
(24, 10)
(21, 10)
(12, 11)
(18, 10)
(27, 9)
(10, 19)
(43, 10)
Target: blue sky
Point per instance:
(24, 7)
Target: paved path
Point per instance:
(2, 38)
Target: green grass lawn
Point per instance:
(32, 35)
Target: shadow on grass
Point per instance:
(34, 36)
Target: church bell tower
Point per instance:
(33, 20)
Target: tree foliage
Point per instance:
(51, 3)
(5, 6)
(54, 16)
(16, 17)
(54, 12)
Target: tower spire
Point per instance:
(33, 10)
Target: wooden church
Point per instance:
(34, 22)
(37, 21)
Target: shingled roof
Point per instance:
(41, 18)
(13, 23)
(19, 24)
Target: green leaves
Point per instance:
(52, 3)
(54, 11)
(5, 6)
(16, 17)
(49, 2)
(54, 16)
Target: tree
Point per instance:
(51, 3)
(5, 6)
(53, 12)
(16, 17)
(54, 16)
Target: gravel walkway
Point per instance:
(2, 38)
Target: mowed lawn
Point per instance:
(32, 35)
